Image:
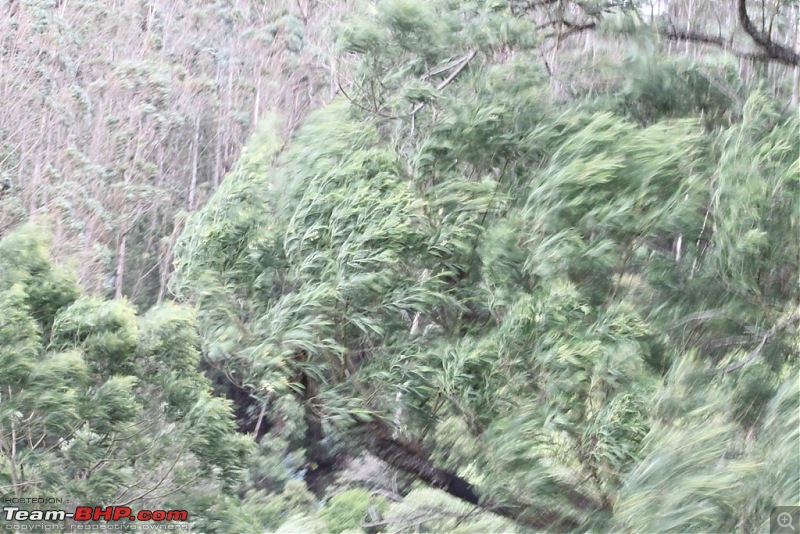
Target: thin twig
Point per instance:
(790, 320)
(750, 357)
(464, 62)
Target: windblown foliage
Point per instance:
(604, 308)
(530, 266)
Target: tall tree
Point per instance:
(120, 118)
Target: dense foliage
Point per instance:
(578, 312)
(535, 267)
(98, 405)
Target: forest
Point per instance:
(401, 266)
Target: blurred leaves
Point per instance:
(104, 407)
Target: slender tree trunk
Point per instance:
(10, 454)
(38, 157)
(796, 77)
(257, 102)
(334, 76)
(120, 266)
(195, 152)
(164, 261)
(689, 19)
(261, 415)
(218, 157)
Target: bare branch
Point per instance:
(460, 65)
(147, 492)
(464, 62)
(698, 316)
(773, 50)
(725, 44)
(750, 357)
(573, 29)
(770, 50)
(792, 319)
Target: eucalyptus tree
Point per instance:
(119, 118)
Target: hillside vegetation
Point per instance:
(404, 266)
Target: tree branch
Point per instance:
(534, 5)
(463, 64)
(576, 28)
(377, 438)
(696, 37)
(772, 49)
(460, 65)
(790, 320)
(750, 357)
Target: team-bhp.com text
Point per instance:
(94, 513)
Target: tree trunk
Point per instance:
(796, 68)
(321, 461)
(257, 103)
(165, 260)
(195, 151)
(377, 439)
(120, 267)
(218, 157)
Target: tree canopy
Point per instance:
(530, 266)
(578, 312)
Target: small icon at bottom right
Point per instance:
(784, 519)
